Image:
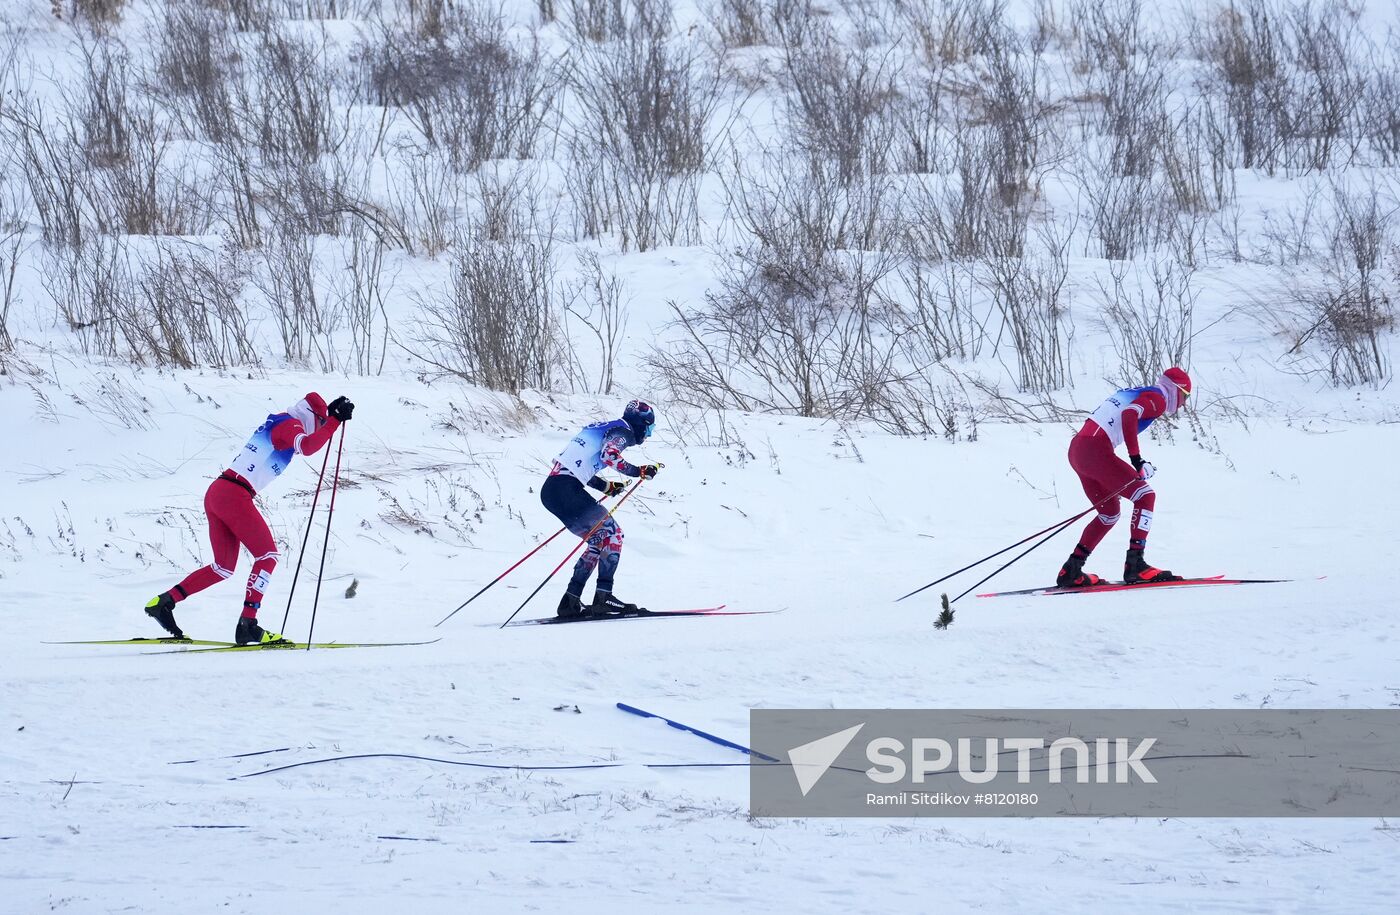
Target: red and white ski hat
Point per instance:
(310, 411)
(1176, 385)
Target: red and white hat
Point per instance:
(310, 411)
(1176, 385)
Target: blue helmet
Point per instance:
(641, 418)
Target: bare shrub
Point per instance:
(742, 23)
(953, 31)
(1030, 294)
(187, 311)
(937, 301)
(639, 143)
(841, 99)
(789, 202)
(248, 15)
(781, 335)
(1150, 315)
(426, 198)
(306, 323)
(362, 287)
(12, 247)
(1380, 104)
(90, 285)
(964, 216)
(1336, 315)
(468, 87)
(497, 323)
(288, 104)
(1288, 78)
(334, 9)
(195, 61)
(597, 305)
(51, 157)
(604, 20)
(101, 15)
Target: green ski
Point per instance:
(292, 646)
(168, 640)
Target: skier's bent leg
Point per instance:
(596, 556)
(611, 555)
(1144, 500)
(221, 538)
(252, 531)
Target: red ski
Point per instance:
(1122, 586)
(641, 615)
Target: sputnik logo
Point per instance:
(810, 761)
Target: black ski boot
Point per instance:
(162, 609)
(1136, 571)
(1072, 575)
(570, 606)
(250, 633)
(605, 604)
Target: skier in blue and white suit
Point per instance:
(596, 447)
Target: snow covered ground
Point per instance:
(134, 781)
(101, 814)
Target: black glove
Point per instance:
(341, 408)
(1145, 470)
(613, 488)
(649, 470)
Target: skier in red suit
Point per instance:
(1106, 477)
(234, 519)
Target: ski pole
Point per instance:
(1054, 527)
(504, 574)
(1017, 558)
(591, 532)
(325, 545)
(305, 537)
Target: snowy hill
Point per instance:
(870, 328)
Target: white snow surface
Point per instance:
(829, 524)
(126, 783)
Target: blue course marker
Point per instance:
(633, 710)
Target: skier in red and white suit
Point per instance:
(1107, 478)
(235, 520)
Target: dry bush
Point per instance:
(248, 15)
(938, 301)
(51, 157)
(469, 88)
(426, 197)
(597, 305)
(1030, 294)
(1287, 80)
(287, 277)
(362, 286)
(287, 101)
(497, 323)
(90, 285)
(196, 60)
(638, 145)
(953, 31)
(334, 9)
(1149, 314)
(743, 23)
(1126, 216)
(963, 215)
(12, 248)
(1337, 313)
(101, 15)
(187, 311)
(842, 98)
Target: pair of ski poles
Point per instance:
(625, 496)
(1048, 533)
(320, 572)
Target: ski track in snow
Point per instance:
(851, 521)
